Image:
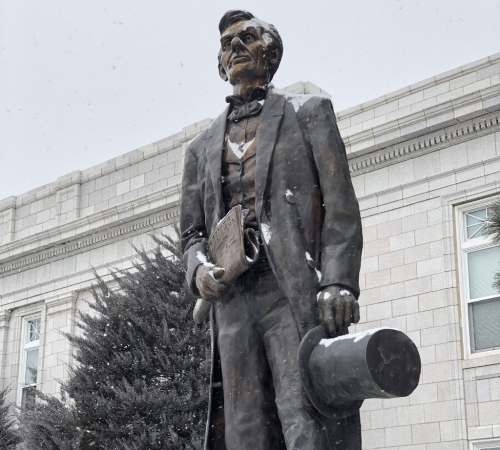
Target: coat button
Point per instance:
(289, 197)
(311, 264)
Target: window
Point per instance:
(486, 445)
(29, 362)
(479, 262)
(475, 222)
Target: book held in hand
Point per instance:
(231, 247)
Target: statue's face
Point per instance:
(245, 53)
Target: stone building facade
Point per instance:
(425, 163)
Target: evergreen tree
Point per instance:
(51, 425)
(142, 372)
(8, 438)
(492, 228)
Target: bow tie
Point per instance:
(242, 110)
(246, 110)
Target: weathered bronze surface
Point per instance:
(295, 182)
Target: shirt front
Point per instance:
(239, 153)
(238, 167)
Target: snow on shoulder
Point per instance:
(298, 100)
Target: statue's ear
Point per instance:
(222, 73)
(274, 63)
(275, 56)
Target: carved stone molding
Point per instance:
(61, 303)
(91, 223)
(425, 144)
(449, 113)
(4, 318)
(137, 224)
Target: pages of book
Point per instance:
(231, 247)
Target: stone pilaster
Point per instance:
(4, 328)
(60, 318)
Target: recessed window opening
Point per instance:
(29, 362)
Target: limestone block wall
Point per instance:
(409, 270)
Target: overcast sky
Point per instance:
(85, 81)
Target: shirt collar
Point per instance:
(258, 93)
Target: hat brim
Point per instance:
(307, 346)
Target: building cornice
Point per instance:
(91, 223)
(426, 143)
(430, 119)
(119, 229)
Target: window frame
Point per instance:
(464, 247)
(485, 444)
(25, 347)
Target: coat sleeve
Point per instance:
(192, 216)
(341, 235)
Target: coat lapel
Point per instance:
(267, 132)
(214, 143)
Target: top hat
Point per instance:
(339, 373)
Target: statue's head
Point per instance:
(250, 48)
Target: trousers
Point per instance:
(265, 406)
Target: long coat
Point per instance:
(306, 210)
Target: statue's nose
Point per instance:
(236, 43)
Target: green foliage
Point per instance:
(492, 228)
(51, 425)
(142, 376)
(8, 439)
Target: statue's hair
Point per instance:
(276, 44)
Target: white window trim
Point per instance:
(463, 248)
(484, 445)
(26, 345)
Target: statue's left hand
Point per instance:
(338, 308)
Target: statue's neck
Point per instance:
(245, 89)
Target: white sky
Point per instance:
(85, 81)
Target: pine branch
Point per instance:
(8, 438)
(492, 225)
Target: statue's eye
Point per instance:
(249, 38)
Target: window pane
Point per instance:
(476, 221)
(485, 323)
(476, 217)
(483, 265)
(31, 367)
(35, 327)
(28, 398)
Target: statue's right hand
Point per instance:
(206, 281)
